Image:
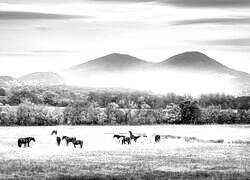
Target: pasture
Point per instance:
(184, 151)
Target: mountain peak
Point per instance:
(114, 62)
(116, 58)
(193, 59)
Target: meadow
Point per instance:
(184, 152)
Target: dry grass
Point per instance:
(103, 157)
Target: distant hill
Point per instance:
(192, 60)
(42, 78)
(8, 82)
(111, 63)
(197, 61)
(188, 71)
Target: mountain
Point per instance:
(196, 61)
(189, 72)
(42, 78)
(8, 82)
(112, 63)
(192, 60)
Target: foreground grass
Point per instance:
(77, 169)
(102, 157)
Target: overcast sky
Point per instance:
(50, 35)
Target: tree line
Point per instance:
(63, 105)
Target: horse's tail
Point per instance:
(19, 143)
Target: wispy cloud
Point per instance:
(194, 3)
(19, 15)
(217, 21)
(241, 42)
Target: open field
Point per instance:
(185, 151)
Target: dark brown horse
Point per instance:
(118, 136)
(126, 139)
(25, 141)
(68, 139)
(54, 132)
(58, 140)
(78, 142)
(133, 136)
(157, 138)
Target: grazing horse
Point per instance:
(25, 141)
(78, 142)
(157, 138)
(58, 140)
(126, 139)
(68, 139)
(118, 136)
(54, 132)
(133, 136)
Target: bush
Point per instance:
(2, 92)
(190, 112)
(18, 97)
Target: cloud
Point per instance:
(241, 42)
(19, 15)
(234, 44)
(194, 3)
(180, 3)
(218, 21)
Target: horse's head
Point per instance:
(33, 139)
(130, 132)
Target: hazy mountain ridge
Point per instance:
(42, 78)
(189, 66)
(188, 72)
(110, 63)
(8, 81)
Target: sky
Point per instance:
(51, 35)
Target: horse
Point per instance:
(54, 132)
(58, 140)
(157, 138)
(133, 136)
(78, 142)
(68, 139)
(126, 139)
(25, 141)
(118, 136)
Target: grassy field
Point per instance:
(185, 152)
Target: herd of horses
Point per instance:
(75, 142)
(128, 139)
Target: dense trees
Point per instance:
(76, 106)
(190, 112)
(2, 92)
